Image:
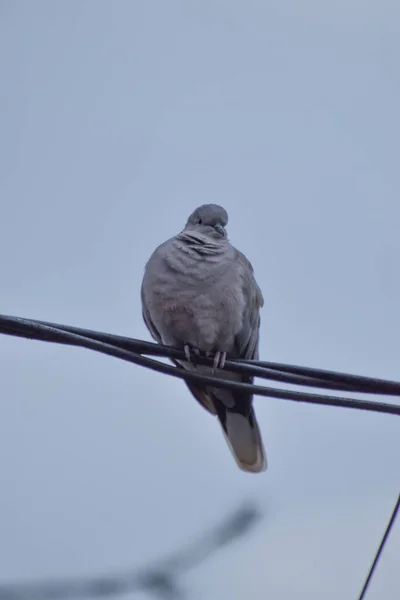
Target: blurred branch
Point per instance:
(132, 350)
(162, 580)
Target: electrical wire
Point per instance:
(380, 549)
(161, 582)
(133, 351)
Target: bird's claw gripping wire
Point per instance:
(219, 360)
(191, 354)
(218, 357)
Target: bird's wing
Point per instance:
(246, 341)
(198, 394)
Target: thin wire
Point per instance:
(62, 334)
(131, 350)
(380, 549)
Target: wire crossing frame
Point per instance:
(133, 350)
(137, 352)
(380, 549)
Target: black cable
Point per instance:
(131, 350)
(380, 549)
(287, 373)
(116, 346)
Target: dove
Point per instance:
(199, 294)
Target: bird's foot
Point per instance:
(191, 354)
(219, 360)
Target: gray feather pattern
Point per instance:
(199, 291)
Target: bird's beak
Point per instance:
(220, 230)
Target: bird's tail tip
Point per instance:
(244, 439)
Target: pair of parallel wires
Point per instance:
(162, 580)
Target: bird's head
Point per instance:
(210, 220)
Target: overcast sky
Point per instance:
(116, 120)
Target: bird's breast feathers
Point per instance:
(205, 300)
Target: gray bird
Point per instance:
(199, 294)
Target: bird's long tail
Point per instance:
(243, 436)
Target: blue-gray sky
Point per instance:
(117, 119)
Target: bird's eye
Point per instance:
(200, 222)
